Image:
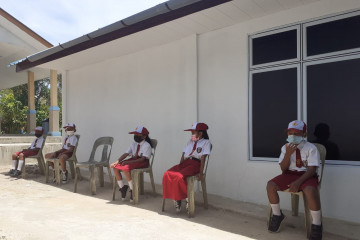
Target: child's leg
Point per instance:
(128, 178)
(272, 192)
(62, 159)
(118, 177)
(21, 161)
(313, 198)
(50, 155)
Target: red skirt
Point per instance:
(60, 152)
(130, 166)
(287, 177)
(28, 153)
(174, 180)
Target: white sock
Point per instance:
(130, 184)
(120, 183)
(276, 209)
(316, 217)
(21, 162)
(14, 164)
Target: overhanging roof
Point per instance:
(149, 18)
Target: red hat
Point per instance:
(198, 127)
(298, 126)
(141, 130)
(70, 125)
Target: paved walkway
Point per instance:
(31, 209)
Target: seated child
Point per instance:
(19, 157)
(191, 163)
(140, 152)
(65, 152)
(298, 161)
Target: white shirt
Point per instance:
(144, 151)
(69, 141)
(203, 147)
(310, 156)
(39, 142)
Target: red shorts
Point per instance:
(174, 179)
(28, 153)
(132, 166)
(283, 180)
(60, 152)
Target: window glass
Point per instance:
(333, 36)
(275, 47)
(274, 105)
(333, 115)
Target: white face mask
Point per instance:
(69, 133)
(294, 139)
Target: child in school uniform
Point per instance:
(140, 153)
(19, 157)
(65, 152)
(191, 163)
(299, 161)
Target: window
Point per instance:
(323, 89)
(275, 47)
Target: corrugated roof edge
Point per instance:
(151, 17)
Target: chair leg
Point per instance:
(78, 173)
(110, 175)
(23, 171)
(269, 214)
(75, 185)
(47, 172)
(72, 169)
(141, 183)
(100, 172)
(57, 172)
(114, 188)
(92, 180)
(203, 185)
(191, 197)
(295, 204)
(41, 166)
(307, 217)
(136, 179)
(152, 182)
(163, 205)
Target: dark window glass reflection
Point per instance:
(333, 97)
(274, 105)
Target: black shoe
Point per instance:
(316, 232)
(275, 222)
(11, 172)
(131, 196)
(64, 176)
(123, 191)
(177, 205)
(16, 173)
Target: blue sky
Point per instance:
(59, 21)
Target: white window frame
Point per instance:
(305, 25)
(299, 94)
(304, 69)
(263, 34)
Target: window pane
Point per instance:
(333, 36)
(274, 105)
(274, 47)
(333, 97)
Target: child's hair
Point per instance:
(148, 140)
(205, 134)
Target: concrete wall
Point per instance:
(157, 88)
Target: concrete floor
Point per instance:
(31, 209)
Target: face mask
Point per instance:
(194, 138)
(137, 138)
(69, 133)
(294, 139)
(38, 135)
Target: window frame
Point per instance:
(271, 32)
(304, 97)
(305, 25)
(299, 104)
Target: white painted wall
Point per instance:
(157, 88)
(223, 94)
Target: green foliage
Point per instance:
(14, 105)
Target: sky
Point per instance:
(59, 21)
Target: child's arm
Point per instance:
(182, 157)
(202, 164)
(289, 150)
(143, 158)
(121, 158)
(310, 172)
